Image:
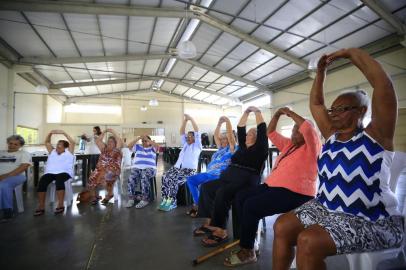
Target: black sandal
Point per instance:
(59, 210)
(39, 212)
(192, 213)
(95, 201)
(107, 199)
(203, 231)
(218, 240)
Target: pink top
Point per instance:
(296, 169)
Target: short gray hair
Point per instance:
(16, 138)
(360, 95)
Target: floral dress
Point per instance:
(107, 169)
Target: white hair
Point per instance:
(361, 96)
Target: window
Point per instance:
(30, 135)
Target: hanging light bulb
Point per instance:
(143, 108)
(187, 50)
(153, 102)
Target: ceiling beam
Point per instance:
(377, 48)
(386, 15)
(125, 10)
(90, 59)
(132, 57)
(139, 91)
(149, 78)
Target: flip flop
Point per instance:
(59, 210)
(217, 240)
(234, 260)
(39, 212)
(204, 231)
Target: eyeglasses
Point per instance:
(341, 109)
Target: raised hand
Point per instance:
(253, 109)
(343, 53)
(322, 64)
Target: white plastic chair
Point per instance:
(18, 191)
(68, 189)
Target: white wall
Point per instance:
(3, 105)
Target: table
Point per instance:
(85, 164)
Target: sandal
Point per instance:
(203, 231)
(59, 210)
(39, 212)
(95, 200)
(234, 260)
(192, 213)
(217, 240)
(107, 199)
(257, 252)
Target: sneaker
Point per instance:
(130, 203)
(141, 204)
(170, 205)
(161, 206)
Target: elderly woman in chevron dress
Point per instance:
(355, 211)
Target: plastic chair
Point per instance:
(68, 189)
(18, 191)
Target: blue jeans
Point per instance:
(6, 190)
(196, 180)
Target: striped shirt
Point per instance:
(144, 157)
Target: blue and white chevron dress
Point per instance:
(354, 203)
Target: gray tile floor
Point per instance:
(115, 238)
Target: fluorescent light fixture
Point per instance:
(92, 109)
(169, 66)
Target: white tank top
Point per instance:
(62, 163)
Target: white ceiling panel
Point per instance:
(317, 20)
(235, 56)
(242, 92)
(291, 12)
(135, 67)
(195, 73)
(78, 72)
(72, 91)
(281, 74)
(132, 85)
(180, 89)
(191, 92)
(179, 70)
(107, 88)
(259, 10)
(210, 77)
(119, 87)
(286, 41)
(55, 74)
(53, 30)
(86, 33)
(114, 32)
(243, 25)
(164, 30)
(168, 86)
(146, 84)
(229, 89)
(222, 46)
(211, 98)
(89, 90)
(392, 4)
(139, 34)
(305, 47)
(267, 68)
(151, 67)
(224, 5)
(265, 33)
(201, 95)
(16, 32)
(252, 62)
(204, 37)
(116, 66)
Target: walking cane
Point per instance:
(213, 253)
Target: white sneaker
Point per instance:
(162, 204)
(130, 203)
(141, 204)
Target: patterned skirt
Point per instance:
(352, 233)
